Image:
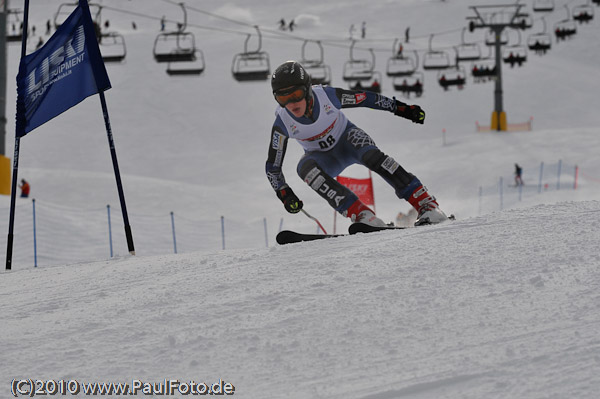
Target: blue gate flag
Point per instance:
(61, 74)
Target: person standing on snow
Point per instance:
(25, 187)
(312, 115)
(518, 175)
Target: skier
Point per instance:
(312, 115)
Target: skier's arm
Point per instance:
(344, 98)
(274, 172)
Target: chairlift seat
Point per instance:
(195, 67)
(320, 74)
(436, 60)
(176, 56)
(354, 70)
(543, 5)
(174, 47)
(185, 72)
(12, 38)
(540, 43)
(468, 52)
(583, 13)
(401, 66)
(565, 29)
(251, 66)
(409, 84)
(454, 77)
(112, 47)
(372, 84)
(483, 71)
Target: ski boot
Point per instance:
(427, 207)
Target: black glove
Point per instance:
(290, 201)
(410, 112)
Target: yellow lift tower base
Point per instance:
(5, 181)
(498, 121)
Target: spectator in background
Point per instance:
(518, 175)
(24, 186)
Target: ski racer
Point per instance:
(312, 115)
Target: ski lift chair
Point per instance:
(358, 69)
(409, 84)
(484, 69)
(401, 63)
(178, 49)
(583, 13)
(319, 72)
(193, 67)
(403, 66)
(112, 47)
(543, 5)
(373, 84)
(15, 34)
(175, 46)
(455, 76)
(251, 65)
(540, 42)
(524, 21)
(467, 51)
(515, 54)
(566, 28)
(436, 59)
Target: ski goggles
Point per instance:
(290, 95)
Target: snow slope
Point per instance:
(500, 303)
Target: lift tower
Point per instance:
(496, 18)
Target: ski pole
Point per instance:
(315, 219)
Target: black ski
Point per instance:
(290, 237)
(365, 228)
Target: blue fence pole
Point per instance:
(558, 177)
(109, 231)
(34, 237)
(541, 177)
(223, 231)
(266, 235)
(501, 192)
(480, 199)
(280, 224)
(173, 228)
(520, 192)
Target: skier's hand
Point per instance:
(290, 201)
(410, 112)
